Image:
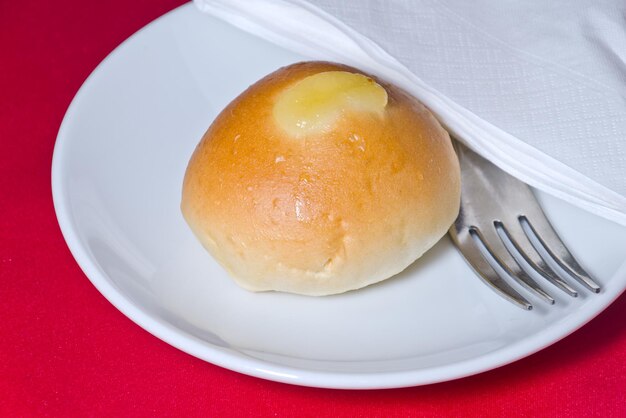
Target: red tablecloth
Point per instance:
(65, 351)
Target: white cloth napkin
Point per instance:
(537, 87)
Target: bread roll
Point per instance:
(319, 179)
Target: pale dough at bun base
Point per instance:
(326, 213)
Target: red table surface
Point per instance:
(66, 351)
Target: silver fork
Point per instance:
(503, 234)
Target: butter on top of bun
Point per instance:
(319, 179)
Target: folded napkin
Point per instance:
(538, 88)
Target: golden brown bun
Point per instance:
(326, 214)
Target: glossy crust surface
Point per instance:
(326, 213)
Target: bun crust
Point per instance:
(327, 213)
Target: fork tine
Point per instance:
(474, 257)
(520, 241)
(489, 195)
(493, 243)
(553, 245)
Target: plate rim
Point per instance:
(238, 361)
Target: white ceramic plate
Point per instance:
(117, 172)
